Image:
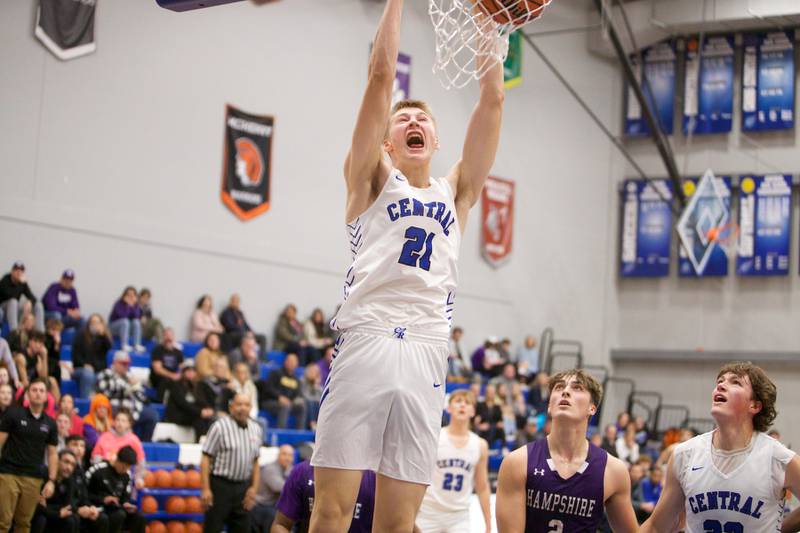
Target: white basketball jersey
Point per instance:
(453, 478)
(405, 253)
(749, 499)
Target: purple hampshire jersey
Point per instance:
(553, 503)
(297, 498)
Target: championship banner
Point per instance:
(659, 90)
(497, 220)
(646, 228)
(402, 78)
(512, 68)
(246, 171)
(66, 27)
(768, 81)
(708, 95)
(716, 262)
(765, 214)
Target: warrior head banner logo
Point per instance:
(246, 170)
(497, 220)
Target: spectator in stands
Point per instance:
(25, 435)
(683, 435)
(77, 445)
(650, 489)
(539, 393)
(288, 332)
(6, 399)
(118, 437)
(281, 394)
(609, 443)
(642, 511)
(63, 424)
(622, 421)
(641, 430)
(152, 329)
(504, 349)
(98, 421)
(186, 405)
(165, 362)
(317, 335)
(204, 320)
(325, 364)
(530, 432)
(8, 363)
(627, 447)
(52, 341)
(125, 320)
(508, 377)
(68, 507)
(66, 405)
(61, 301)
(208, 355)
(489, 416)
(242, 383)
(247, 353)
(528, 359)
(478, 359)
(18, 338)
(16, 298)
(214, 389)
(32, 362)
(89, 349)
(109, 486)
(459, 368)
(125, 391)
(521, 409)
(270, 484)
(235, 324)
(311, 390)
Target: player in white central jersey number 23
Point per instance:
(733, 479)
(382, 404)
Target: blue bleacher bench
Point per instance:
(279, 437)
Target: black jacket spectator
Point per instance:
(280, 394)
(10, 290)
(214, 392)
(90, 347)
(170, 357)
(186, 405)
(103, 480)
(280, 383)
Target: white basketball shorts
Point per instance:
(430, 520)
(381, 408)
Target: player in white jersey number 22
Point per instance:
(462, 463)
(382, 404)
(733, 479)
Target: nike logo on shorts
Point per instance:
(437, 385)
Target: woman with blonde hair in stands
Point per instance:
(627, 447)
(317, 333)
(242, 383)
(98, 420)
(204, 320)
(208, 355)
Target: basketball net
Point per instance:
(469, 42)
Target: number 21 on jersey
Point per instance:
(418, 248)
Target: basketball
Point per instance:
(175, 505)
(156, 527)
(193, 505)
(193, 527)
(176, 527)
(178, 479)
(149, 479)
(516, 12)
(193, 479)
(149, 505)
(163, 479)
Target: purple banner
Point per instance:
(402, 79)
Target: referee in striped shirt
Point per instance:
(229, 469)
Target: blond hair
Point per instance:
(463, 393)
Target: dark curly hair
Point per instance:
(764, 391)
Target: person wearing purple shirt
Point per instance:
(297, 499)
(61, 301)
(124, 320)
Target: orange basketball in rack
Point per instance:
(163, 479)
(516, 12)
(178, 479)
(175, 527)
(149, 479)
(193, 527)
(175, 505)
(193, 479)
(156, 527)
(149, 505)
(194, 505)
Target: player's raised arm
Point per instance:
(791, 522)
(667, 514)
(510, 503)
(483, 135)
(618, 505)
(365, 159)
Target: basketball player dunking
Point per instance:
(561, 483)
(732, 479)
(381, 407)
(462, 463)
